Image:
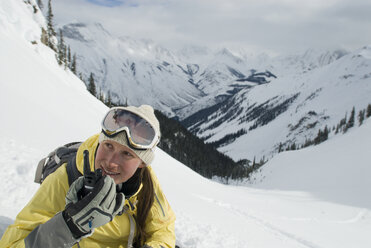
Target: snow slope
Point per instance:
(314, 198)
(31, 79)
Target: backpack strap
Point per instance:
(72, 171)
(39, 171)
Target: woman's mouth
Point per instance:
(109, 173)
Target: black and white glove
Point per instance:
(93, 210)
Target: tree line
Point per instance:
(203, 158)
(56, 42)
(342, 127)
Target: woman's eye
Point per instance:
(127, 154)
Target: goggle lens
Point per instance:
(140, 132)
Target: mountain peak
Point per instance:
(225, 52)
(365, 52)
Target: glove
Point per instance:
(93, 210)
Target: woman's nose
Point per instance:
(113, 162)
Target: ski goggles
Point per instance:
(140, 133)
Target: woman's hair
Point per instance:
(145, 200)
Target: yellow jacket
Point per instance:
(50, 199)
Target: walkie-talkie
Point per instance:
(90, 177)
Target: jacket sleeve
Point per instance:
(53, 233)
(160, 221)
(36, 220)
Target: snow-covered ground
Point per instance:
(317, 197)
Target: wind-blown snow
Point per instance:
(313, 198)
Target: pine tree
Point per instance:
(81, 77)
(101, 96)
(321, 136)
(254, 164)
(91, 86)
(69, 57)
(73, 64)
(342, 123)
(307, 143)
(61, 49)
(109, 99)
(317, 139)
(65, 60)
(49, 19)
(293, 146)
(350, 122)
(325, 133)
(352, 118)
(361, 116)
(368, 114)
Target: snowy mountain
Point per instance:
(267, 100)
(140, 71)
(181, 82)
(134, 71)
(313, 198)
(291, 108)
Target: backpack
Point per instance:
(61, 155)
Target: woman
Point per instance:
(119, 205)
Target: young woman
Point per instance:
(121, 204)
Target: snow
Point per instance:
(120, 62)
(366, 52)
(317, 197)
(330, 91)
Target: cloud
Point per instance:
(271, 25)
(107, 3)
(113, 3)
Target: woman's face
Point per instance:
(117, 161)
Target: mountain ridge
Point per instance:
(213, 72)
(290, 109)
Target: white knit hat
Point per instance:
(147, 113)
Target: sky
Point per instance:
(312, 198)
(277, 26)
